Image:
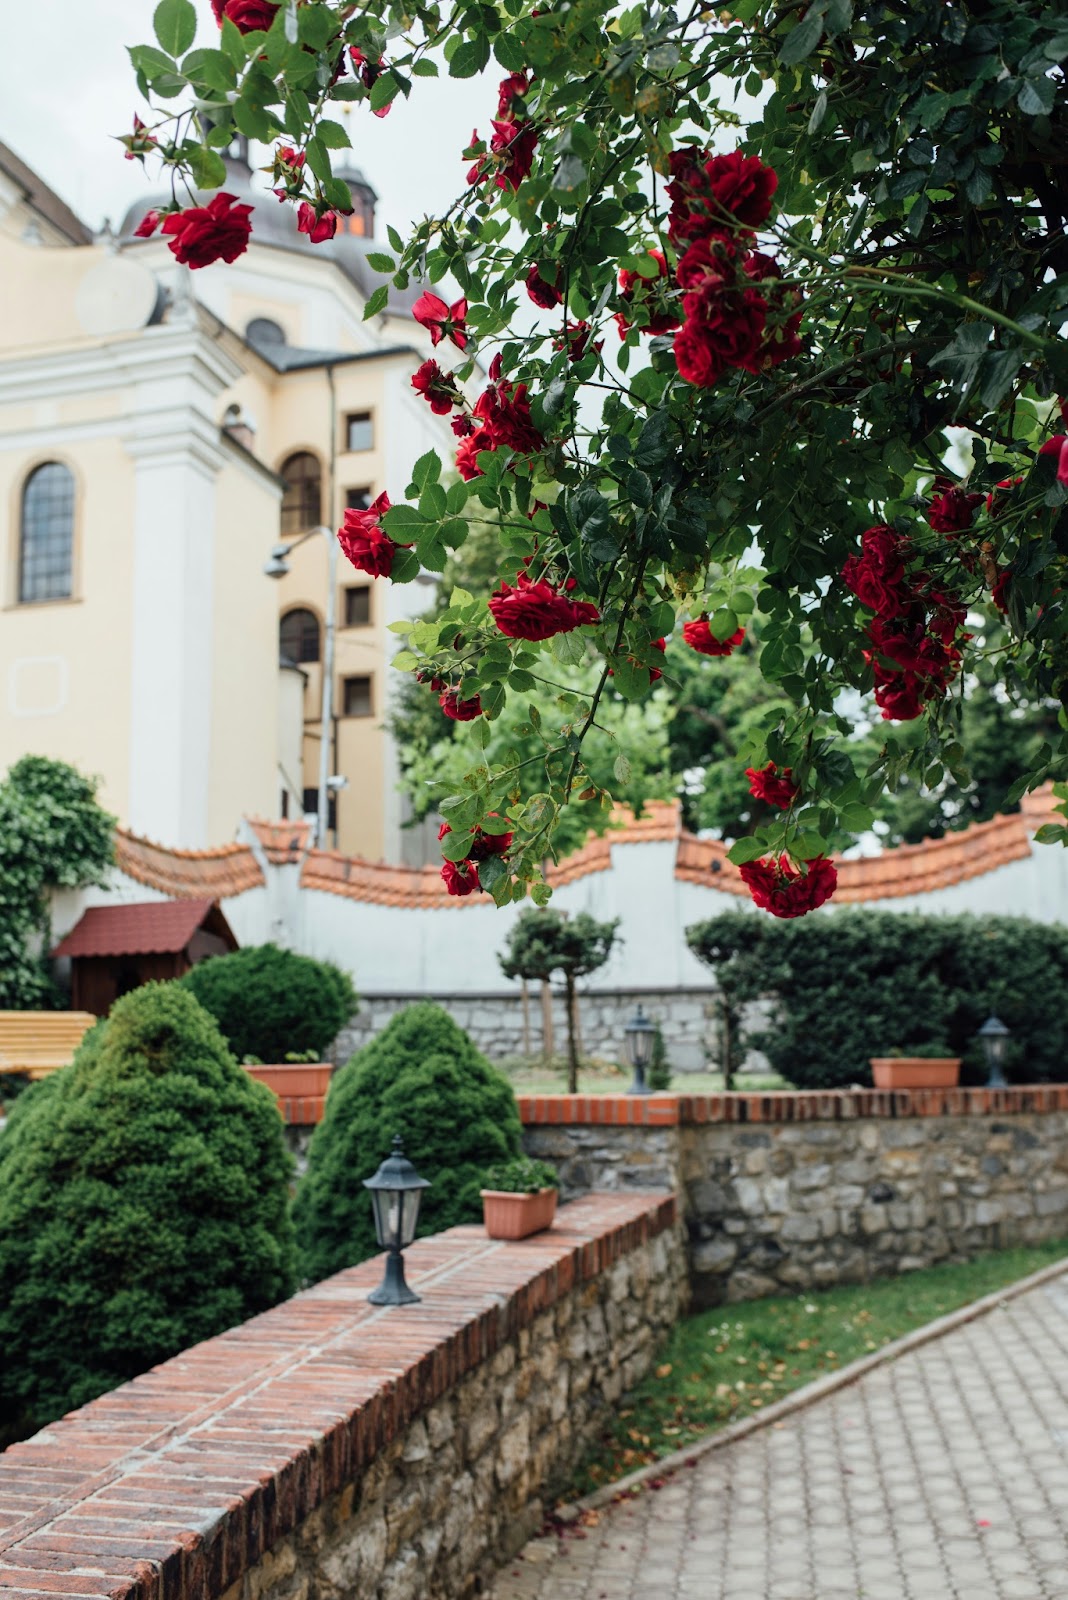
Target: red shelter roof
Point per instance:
(146, 927)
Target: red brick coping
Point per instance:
(174, 1485)
(838, 1105)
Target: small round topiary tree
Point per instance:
(143, 1207)
(271, 1003)
(423, 1078)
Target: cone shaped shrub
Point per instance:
(143, 1207)
(420, 1077)
(271, 1003)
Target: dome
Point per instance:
(274, 223)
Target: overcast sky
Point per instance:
(68, 87)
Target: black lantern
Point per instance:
(995, 1037)
(396, 1190)
(639, 1035)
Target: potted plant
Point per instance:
(520, 1198)
(925, 1066)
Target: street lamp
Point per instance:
(639, 1035)
(278, 567)
(995, 1037)
(396, 1190)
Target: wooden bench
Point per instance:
(39, 1042)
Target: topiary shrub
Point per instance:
(864, 983)
(271, 1003)
(143, 1207)
(420, 1077)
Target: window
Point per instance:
(311, 808)
(264, 331)
(356, 697)
(302, 499)
(46, 545)
(357, 499)
(298, 636)
(358, 607)
(359, 431)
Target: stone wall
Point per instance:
(783, 1193)
(330, 1449)
(495, 1021)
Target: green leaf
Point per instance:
(1052, 833)
(333, 135)
(405, 566)
(405, 661)
(1036, 96)
(384, 90)
(999, 371)
(426, 470)
(208, 169)
(621, 769)
(457, 497)
(147, 59)
(803, 39)
(541, 894)
(509, 52)
(398, 520)
(568, 648)
(819, 111)
(491, 872)
(377, 302)
(744, 850)
(395, 240)
(456, 845)
(175, 25)
(425, 68)
(470, 58)
(380, 262)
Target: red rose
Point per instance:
(996, 503)
(953, 509)
(147, 225)
(503, 412)
(1000, 592)
(218, 231)
(877, 575)
(318, 228)
(467, 455)
(369, 72)
(699, 637)
(710, 192)
(775, 787)
(778, 886)
(727, 330)
(543, 294)
(364, 542)
(483, 844)
(576, 337)
(458, 710)
(436, 386)
(460, 877)
(440, 319)
(637, 290)
(537, 610)
(512, 88)
(288, 157)
(247, 16)
(1058, 448)
(514, 143)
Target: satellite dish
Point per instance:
(116, 295)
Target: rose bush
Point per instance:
(830, 429)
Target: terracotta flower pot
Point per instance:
(915, 1072)
(514, 1216)
(298, 1078)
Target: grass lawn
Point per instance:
(726, 1364)
(530, 1075)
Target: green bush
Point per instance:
(143, 1207)
(858, 984)
(658, 1074)
(420, 1077)
(271, 1003)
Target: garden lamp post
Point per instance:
(995, 1037)
(639, 1035)
(278, 567)
(396, 1191)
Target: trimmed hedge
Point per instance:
(143, 1207)
(861, 983)
(423, 1078)
(271, 1003)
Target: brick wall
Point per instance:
(787, 1192)
(327, 1448)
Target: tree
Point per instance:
(144, 1206)
(812, 307)
(420, 1077)
(272, 1003)
(544, 942)
(53, 835)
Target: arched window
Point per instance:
(302, 500)
(46, 544)
(298, 636)
(264, 331)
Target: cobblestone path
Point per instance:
(941, 1476)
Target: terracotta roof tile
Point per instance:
(188, 874)
(148, 927)
(283, 843)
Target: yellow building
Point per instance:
(160, 431)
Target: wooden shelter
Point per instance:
(114, 949)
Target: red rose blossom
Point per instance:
(877, 575)
(502, 411)
(636, 290)
(537, 610)
(467, 455)
(999, 594)
(996, 503)
(727, 333)
(218, 231)
(953, 508)
(576, 337)
(368, 73)
(779, 887)
(776, 787)
(514, 144)
(483, 844)
(543, 294)
(365, 543)
(710, 192)
(458, 710)
(147, 225)
(1058, 448)
(460, 877)
(441, 320)
(318, 228)
(513, 88)
(438, 387)
(247, 16)
(700, 637)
